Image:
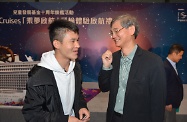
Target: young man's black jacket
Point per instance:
(42, 101)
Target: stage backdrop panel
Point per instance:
(23, 29)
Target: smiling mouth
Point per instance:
(76, 51)
(116, 40)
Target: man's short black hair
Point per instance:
(175, 48)
(58, 28)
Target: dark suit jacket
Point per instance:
(146, 87)
(174, 86)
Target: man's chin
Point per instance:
(74, 58)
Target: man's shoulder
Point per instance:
(150, 54)
(39, 75)
(149, 57)
(38, 70)
(167, 65)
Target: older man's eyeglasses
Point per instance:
(115, 31)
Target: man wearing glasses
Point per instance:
(135, 78)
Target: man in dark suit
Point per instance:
(174, 83)
(135, 78)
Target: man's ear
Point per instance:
(174, 53)
(56, 44)
(132, 30)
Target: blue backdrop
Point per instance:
(23, 28)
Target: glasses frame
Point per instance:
(115, 31)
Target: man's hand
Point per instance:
(169, 107)
(107, 59)
(84, 115)
(73, 119)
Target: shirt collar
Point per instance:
(131, 55)
(172, 63)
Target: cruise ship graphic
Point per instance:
(13, 78)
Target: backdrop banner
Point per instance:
(24, 34)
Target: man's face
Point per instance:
(121, 35)
(177, 57)
(68, 48)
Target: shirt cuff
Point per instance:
(104, 68)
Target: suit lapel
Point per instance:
(116, 65)
(136, 62)
(173, 70)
